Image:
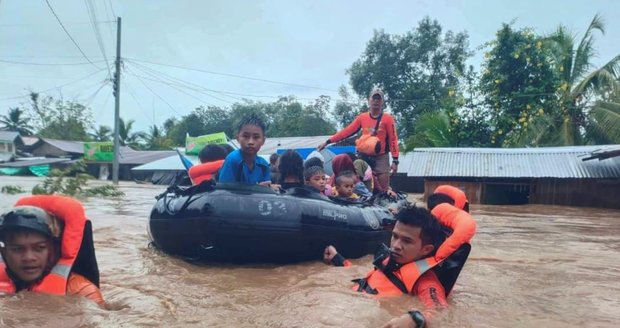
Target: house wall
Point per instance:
(472, 189)
(7, 147)
(577, 192)
(407, 184)
(47, 150)
(604, 193)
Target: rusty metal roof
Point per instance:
(546, 162)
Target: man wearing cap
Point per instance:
(41, 239)
(378, 138)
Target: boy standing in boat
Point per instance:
(244, 165)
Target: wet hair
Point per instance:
(273, 158)
(436, 199)
(314, 161)
(430, 229)
(345, 175)
(251, 119)
(228, 148)
(291, 164)
(312, 171)
(212, 153)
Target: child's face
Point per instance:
(250, 138)
(317, 181)
(345, 188)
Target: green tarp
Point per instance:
(38, 170)
(13, 170)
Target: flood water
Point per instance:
(530, 266)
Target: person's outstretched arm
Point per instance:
(331, 256)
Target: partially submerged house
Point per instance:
(9, 142)
(550, 175)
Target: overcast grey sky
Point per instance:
(309, 43)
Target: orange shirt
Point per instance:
(78, 285)
(386, 132)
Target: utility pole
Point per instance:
(117, 96)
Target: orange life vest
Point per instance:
(72, 213)
(205, 171)
(459, 197)
(403, 280)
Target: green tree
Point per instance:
(103, 133)
(201, 121)
(127, 137)
(432, 130)
(156, 140)
(418, 70)
(15, 120)
(583, 88)
(59, 119)
(603, 126)
(519, 87)
(290, 118)
(347, 108)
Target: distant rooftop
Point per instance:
(544, 162)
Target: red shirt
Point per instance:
(365, 122)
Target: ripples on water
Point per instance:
(533, 265)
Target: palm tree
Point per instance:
(604, 121)
(104, 133)
(127, 137)
(15, 121)
(581, 88)
(155, 139)
(432, 129)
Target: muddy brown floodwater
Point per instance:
(530, 266)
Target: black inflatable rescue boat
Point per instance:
(241, 224)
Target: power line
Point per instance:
(67, 32)
(234, 75)
(56, 87)
(158, 96)
(159, 80)
(49, 64)
(93, 18)
(137, 102)
(181, 90)
(112, 8)
(196, 86)
(66, 23)
(105, 102)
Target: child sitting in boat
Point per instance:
(344, 163)
(211, 159)
(315, 178)
(291, 170)
(244, 165)
(345, 183)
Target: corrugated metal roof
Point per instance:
(130, 156)
(76, 147)
(5, 157)
(30, 141)
(9, 135)
(33, 162)
(547, 162)
(273, 144)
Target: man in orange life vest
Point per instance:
(381, 125)
(420, 260)
(41, 239)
